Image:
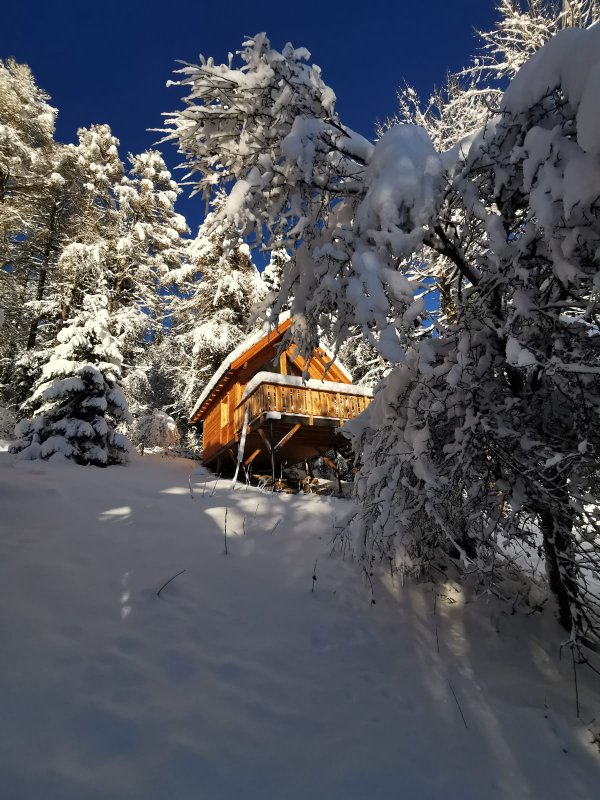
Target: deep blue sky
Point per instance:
(109, 61)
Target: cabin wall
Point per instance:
(211, 431)
(218, 429)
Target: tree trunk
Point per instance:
(42, 277)
(10, 354)
(556, 524)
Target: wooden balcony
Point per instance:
(325, 404)
(288, 419)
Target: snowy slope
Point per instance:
(238, 682)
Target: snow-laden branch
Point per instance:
(488, 423)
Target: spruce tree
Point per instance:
(215, 296)
(77, 404)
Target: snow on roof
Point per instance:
(226, 365)
(253, 339)
(312, 383)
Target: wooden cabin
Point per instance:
(259, 410)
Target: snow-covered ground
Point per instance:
(238, 681)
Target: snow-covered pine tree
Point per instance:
(26, 134)
(365, 363)
(273, 272)
(148, 385)
(77, 404)
(80, 208)
(274, 276)
(26, 154)
(150, 242)
(218, 291)
(70, 202)
(70, 219)
(130, 230)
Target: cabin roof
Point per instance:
(247, 349)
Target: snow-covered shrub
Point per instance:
(155, 430)
(77, 403)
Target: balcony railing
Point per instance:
(288, 395)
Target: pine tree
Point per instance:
(218, 291)
(77, 404)
(70, 204)
(27, 152)
(155, 429)
(25, 135)
(150, 242)
(273, 272)
(366, 365)
(79, 207)
(73, 222)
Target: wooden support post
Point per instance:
(329, 462)
(285, 439)
(283, 363)
(231, 455)
(265, 439)
(272, 453)
(251, 458)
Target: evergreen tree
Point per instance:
(217, 292)
(26, 135)
(79, 207)
(72, 222)
(365, 363)
(149, 245)
(26, 156)
(273, 272)
(77, 404)
(155, 429)
(70, 204)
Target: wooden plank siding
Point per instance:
(222, 412)
(300, 401)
